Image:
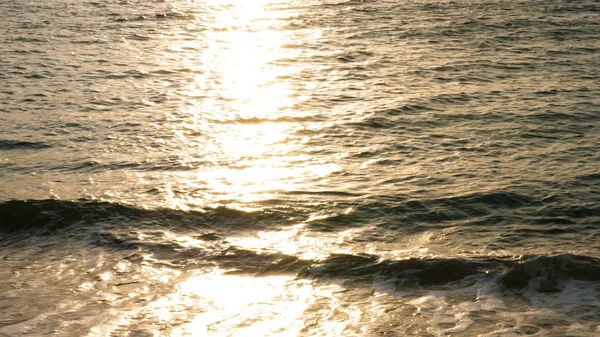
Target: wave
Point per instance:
(170, 15)
(403, 212)
(48, 216)
(512, 274)
(542, 273)
(539, 273)
(116, 226)
(277, 119)
(21, 145)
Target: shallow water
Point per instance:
(299, 168)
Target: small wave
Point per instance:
(329, 193)
(28, 39)
(344, 3)
(412, 271)
(407, 109)
(404, 213)
(586, 180)
(172, 15)
(21, 145)
(499, 199)
(51, 215)
(377, 123)
(164, 165)
(280, 119)
(572, 211)
(540, 273)
(547, 273)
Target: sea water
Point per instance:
(299, 168)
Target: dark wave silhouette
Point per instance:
(51, 215)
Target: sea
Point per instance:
(258, 168)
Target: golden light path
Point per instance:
(247, 99)
(242, 111)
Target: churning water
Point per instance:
(299, 168)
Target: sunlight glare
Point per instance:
(241, 115)
(245, 306)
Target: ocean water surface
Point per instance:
(299, 168)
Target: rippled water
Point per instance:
(299, 168)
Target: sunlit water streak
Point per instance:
(299, 168)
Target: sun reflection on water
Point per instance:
(267, 306)
(238, 128)
(237, 134)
